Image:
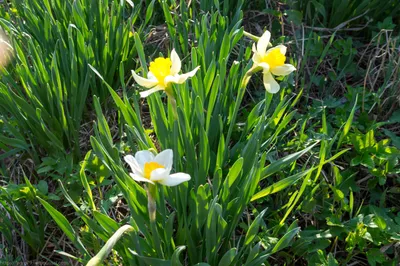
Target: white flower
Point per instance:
(272, 61)
(163, 71)
(5, 50)
(154, 169)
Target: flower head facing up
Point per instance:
(271, 61)
(163, 72)
(154, 169)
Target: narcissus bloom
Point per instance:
(5, 50)
(162, 72)
(154, 169)
(271, 61)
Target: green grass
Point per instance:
(307, 176)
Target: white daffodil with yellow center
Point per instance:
(154, 169)
(272, 62)
(162, 73)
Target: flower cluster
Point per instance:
(163, 72)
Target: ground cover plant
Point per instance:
(199, 132)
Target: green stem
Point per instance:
(254, 37)
(251, 36)
(239, 99)
(172, 101)
(152, 207)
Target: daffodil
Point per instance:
(271, 61)
(162, 73)
(154, 169)
(5, 50)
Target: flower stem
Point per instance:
(152, 207)
(239, 99)
(172, 101)
(251, 36)
(254, 37)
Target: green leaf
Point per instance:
(175, 256)
(367, 161)
(253, 229)
(106, 249)
(349, 121)
(284, 162)
(43, 187)
(151, 261)
(332, 261)
(65, 225)
(280, 185)
(286, 240)
(228, 257)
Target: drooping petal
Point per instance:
(159, 174)
(281, 47)
(179, 79)
(139, 178)
(175, 179)
(136, 169)
(263, 42)
(165, 158)
(143, 157)
(146, 93)
(148, 83)
(270, 83)
(176, 63)
(284, 70)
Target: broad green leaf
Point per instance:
(65, 225)
(228, 257)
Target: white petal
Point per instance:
(165, 158)
(159, 174)
(264, 66)
(148, 83)
(146, 93)
(253, 48)
(263, 42)
(143, 157)
(281, 47)
(256, 57)
(139, 178)
(175, 179)
(176, 63)
(270, 83)
(151, 76)
(284, 70)
(179, 79)
(136, 169)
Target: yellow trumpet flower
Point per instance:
(271, 61)
(163, 72)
